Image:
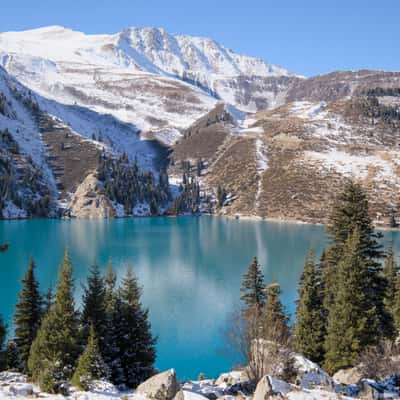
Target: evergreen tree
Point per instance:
(130, 289)
(114, 319)
(55, 349)
(396, 307)
(352, 320)
(138, 345)
(351, 212)
(13, 360)
(110, 281)
(309, 329)
(28, 313)
(90, 364)
(253, 287)
(275, 319)
(391, 275)
(94, 307)
(48, 300)
(3, 335)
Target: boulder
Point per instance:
(163, 386)
(231, 378)
(370, 390)
(21, 389)
(269, 388)
(310, 375)
(180, 395)
(349, 376)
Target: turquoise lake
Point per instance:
(190, 269)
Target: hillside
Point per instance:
(260, 141)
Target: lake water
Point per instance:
(190, 270)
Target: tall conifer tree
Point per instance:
(137, 346)
(28, 313)
(90, 364)
(275, 319)
(352, 320)
(55, 350)
(253, 287)
(94, 307)
(391, 275)
(309, 331)
(351, 212)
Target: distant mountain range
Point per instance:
(272, 143)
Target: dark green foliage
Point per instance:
(275, 319)
(28, 313)
(371, 108)
(352, 320)
(90, 364)
(221, 196)
(94, 307)
(350, 213)
(391, 275)
(380, 91)
(55, 350)
(309, 331)
(253, 287)
(21, 181)
(188, 201)
(12, 357)
(132, 342)
(3, 335)
(48, 300)
(127, 185)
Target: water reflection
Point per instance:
(190, 268)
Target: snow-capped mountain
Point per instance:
(142, 76)
(173, 102)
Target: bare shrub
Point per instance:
(380, 361)
(259, 348)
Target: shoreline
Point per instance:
(243, 217)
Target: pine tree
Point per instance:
(133, 342)
(130, 289)
(3, 335)
(275, 319)
(110, 282)
(90, 364)
(391, 275)
(28, 313)
(309, 329)
(48, 300)
(54, 351)
(94, 307)
(13, 360)
(138, 354)
(351, 212)
(352, 320)
(253, 287)
(396, 307)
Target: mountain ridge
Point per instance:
(245, 136)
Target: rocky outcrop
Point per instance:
(349, 376)
(269, 389)
(163, 386)
(89, 200)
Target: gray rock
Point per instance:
(163, 386)
(265, 390)
(349, 376)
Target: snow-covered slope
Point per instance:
(144, 76)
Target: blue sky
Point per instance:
(308, 37)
